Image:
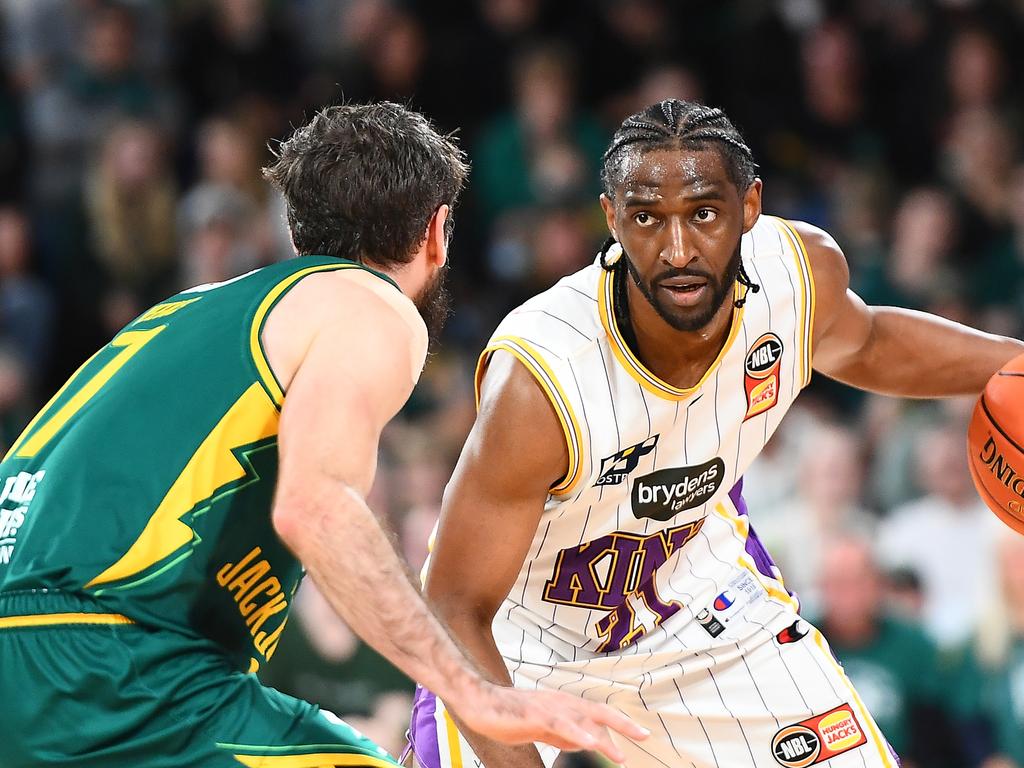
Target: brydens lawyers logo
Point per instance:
(761, 374)
(615, 468)
(818, 738)
(663, 494)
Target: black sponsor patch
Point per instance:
(710, 623)
(663, 494)
(618, 466)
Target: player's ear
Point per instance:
(608, 206)
(751, 205)
(437, 237)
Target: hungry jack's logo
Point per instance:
(818, 738)
(761, 374)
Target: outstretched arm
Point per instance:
(890, 350)
(354, 373)
(491, 511)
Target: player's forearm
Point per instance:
(350, 557)
(475, 636)
(915, 354)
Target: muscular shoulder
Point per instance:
(829, 269)
(363, 312)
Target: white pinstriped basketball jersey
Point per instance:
(644, 547)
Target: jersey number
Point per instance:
(36, 436)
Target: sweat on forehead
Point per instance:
(691, 169)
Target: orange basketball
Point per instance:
(994, 442)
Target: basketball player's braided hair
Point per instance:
(678, 124)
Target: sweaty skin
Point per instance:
(348, 349)
(675, 209)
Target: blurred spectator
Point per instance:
(917, 272)
(230, 221)
(892, 664)
(16, 405)
(320, 659)
(26, 304)
(545, 152)
(905, 594)
(827, 505)
(980, 153)
(40, 36)
(231, 51)
(976, 71)
(947, 537)
(130, 200)
(102, 84)
(991, 690)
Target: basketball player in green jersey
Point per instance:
(156, 515)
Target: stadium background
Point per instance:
(131, 136)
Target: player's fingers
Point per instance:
(617, 721)
(606, 746)
(567, 735)
(584, 732)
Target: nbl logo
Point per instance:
(796, 746)
(617, 467)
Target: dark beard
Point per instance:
(434, 304)
(693, 322)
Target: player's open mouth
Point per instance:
(685, 292)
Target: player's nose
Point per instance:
(678, 250)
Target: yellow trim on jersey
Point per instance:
(46, 408)
(318, 760)
(534, 363)
(51, 619)
(741, 525)
(807, 297)
(252, 418)
(454, 746)
(636, 369)
(267, 377)
(876, 735)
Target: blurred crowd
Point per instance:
(131, 139)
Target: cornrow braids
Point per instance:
(674, 123)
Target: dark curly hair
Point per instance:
(361, 181)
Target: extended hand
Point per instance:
(569, 723)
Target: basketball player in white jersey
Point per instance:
(594, 538)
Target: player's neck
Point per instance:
(679, 358)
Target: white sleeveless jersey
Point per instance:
(644, 549)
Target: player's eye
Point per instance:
(706, 215)
(643, 219)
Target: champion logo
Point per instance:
(724, 601)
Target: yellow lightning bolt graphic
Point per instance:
(253, 417)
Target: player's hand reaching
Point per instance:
(569, 723)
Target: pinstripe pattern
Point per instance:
(615, 565)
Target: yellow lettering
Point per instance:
(265, 611)
(229, 571)
(267, 644)
(248, 578)
(271, 586)
(165, 309)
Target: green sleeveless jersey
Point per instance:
(147, 481)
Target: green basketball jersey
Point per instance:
(147, 481)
